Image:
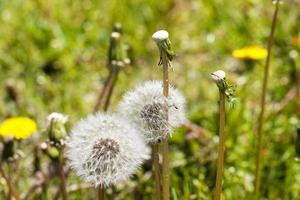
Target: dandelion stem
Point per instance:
(155, 160)
(104, 90)
(62, 178)
(262, 105)
(220, 164)
(12, 192)
(113, 80)
(101, 193)
(165, 143)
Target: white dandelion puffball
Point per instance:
(160, 35)
(218, 75)
(105, 149)
(144, 105)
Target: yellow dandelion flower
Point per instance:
(250, 53)
(18, 127)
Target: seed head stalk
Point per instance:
(156, 166)
(221, 150)
(262, 106)
(101, 192)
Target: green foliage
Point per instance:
(53, 55)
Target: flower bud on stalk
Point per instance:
(56, 129)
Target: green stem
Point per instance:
(220, 164)
(262, 105)
(165, 143)
(155, 160)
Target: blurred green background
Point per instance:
(53, 55)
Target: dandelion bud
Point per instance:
(218, 76)
(144, 106)
(105, 149)
(160, 35)
(56, 128)
(115, 35)
(163, 42)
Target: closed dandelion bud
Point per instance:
(218, 76)
(56, 128)
(144, 106)
(105, 149)
(161, 37)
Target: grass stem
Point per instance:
(262, 106)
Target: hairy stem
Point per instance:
(12, 192)
(165, 143)
(262, 106)
(155, 160)
(220, 164)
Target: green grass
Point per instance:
(71, 38)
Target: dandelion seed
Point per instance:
(18, 127)
(144, 106)
(105, 149)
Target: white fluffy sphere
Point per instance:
(144, 106)
(105, 149)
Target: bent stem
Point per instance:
(12, 192)
(101, 193)
(165, 143)
(155, 160)
(262, 105)
(220, 164)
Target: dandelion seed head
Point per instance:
(105, 149)
(144, 106)
(160, 35)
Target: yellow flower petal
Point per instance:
(18, 127)
(250, 53)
